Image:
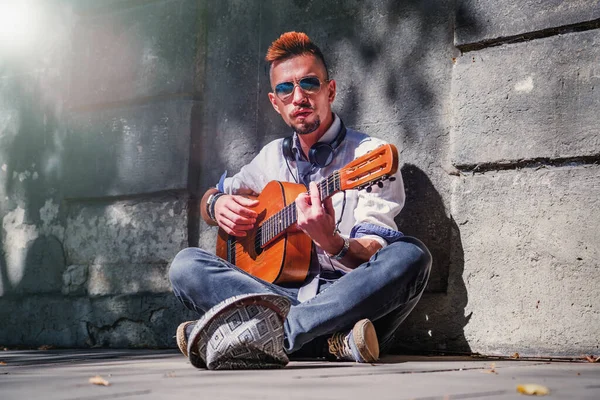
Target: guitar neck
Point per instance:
(274, 226)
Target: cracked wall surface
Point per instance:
(95, 149)
(126, 111)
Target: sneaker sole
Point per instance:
(181, 339)
(366, 341)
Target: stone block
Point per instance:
(527, 101)
(43, 320)
(125, 151)
(123, 53)
(230, 136)
(116, 279)
(478, 20)
(134, 321)
(531, 254)
(32, 258)
(32, 129)
(75, 278)
(141, 231)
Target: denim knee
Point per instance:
(407, 257)
(183, 265)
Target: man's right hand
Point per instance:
(233, 215)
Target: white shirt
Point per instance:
(379, 207)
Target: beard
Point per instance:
(306, 128)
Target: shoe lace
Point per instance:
(338, 345)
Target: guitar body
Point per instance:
(287, 257)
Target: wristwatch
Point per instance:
(343, 251)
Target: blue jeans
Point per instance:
(384, 289)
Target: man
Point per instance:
(362, 269)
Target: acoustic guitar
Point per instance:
(275, 250)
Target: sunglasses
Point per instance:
(309, 85)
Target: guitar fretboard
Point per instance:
(287, 216)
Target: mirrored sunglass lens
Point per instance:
(310, 84)
(284, 89)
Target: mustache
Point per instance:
(303, 107)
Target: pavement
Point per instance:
(166, 374)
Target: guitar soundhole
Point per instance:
(257, 248)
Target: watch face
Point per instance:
(343, 251)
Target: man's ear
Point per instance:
(273, 99)
(332, 90)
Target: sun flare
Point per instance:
(18, 23)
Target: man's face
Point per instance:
(302, 111)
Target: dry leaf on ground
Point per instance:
(516, 356)
(2, 363)
(532, 389)
(592, 359)
(45, 347)
(98, 380)
(492, 369)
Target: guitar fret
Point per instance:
(259, 232)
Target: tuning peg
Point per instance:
(380, 184)
(369, 189)
(392, 179)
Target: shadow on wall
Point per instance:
(393, 63)
(31, 147)
(380, 52)
(3, 269)
(437, 322)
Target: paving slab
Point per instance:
(160, 374)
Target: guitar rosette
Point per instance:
(242, 332)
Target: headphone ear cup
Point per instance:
(286, 148)
(320, 154)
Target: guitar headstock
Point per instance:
(370, 169)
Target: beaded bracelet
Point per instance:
(210, 204)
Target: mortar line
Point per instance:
(149, 196)
(104, 9)
(527, 36)
(133, 102)
(533, 163)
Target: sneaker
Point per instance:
(360, 344)
(183, 332)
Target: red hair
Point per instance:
(291, 44)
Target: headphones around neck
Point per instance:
(320, 154)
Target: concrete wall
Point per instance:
(114, 122)
(97, 154)
(526, 141)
